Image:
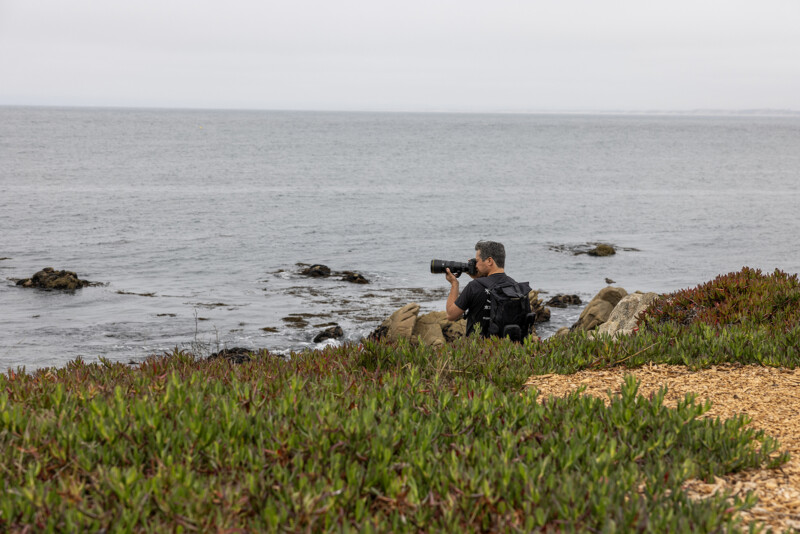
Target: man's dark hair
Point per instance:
(494, 250)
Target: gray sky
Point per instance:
(423, 55)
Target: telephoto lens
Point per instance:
(456, 267)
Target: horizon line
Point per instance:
(488, 111)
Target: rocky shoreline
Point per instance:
(612, 310)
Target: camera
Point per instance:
(456, 267)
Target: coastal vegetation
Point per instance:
(398, 436)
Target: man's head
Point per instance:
(486, 250)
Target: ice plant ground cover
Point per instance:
(391, 437)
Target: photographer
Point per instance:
(490, 258)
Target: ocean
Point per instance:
(197, 224)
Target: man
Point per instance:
(491, 259)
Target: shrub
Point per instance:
(747, 297)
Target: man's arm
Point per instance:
(454, 313)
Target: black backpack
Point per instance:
(508, 310)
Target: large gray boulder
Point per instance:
(398, 325)
(599, 308)
(430, 328)
(623, 318)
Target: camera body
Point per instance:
(456, 267)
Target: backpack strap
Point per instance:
(482, 281)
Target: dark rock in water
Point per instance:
(49, 278)
(602, 250)
(323, 271)
(355, 278)
(562, 301)
(541, 315)
(334, 332)
(235, 354)
(593, 249)
(317, 271)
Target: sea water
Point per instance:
(194, 222)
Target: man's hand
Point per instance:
(454, 313)
(450, 277)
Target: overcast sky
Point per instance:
(421, 55)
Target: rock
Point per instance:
(595, 249)
(562, 301)
(542, 315)
(599, 308)
(323, 271)
(401, 323)
(538, 308)
(379, 333)
(334, 332)
(453, 331)
(563, 331)
(623, 318)
(602, 250)
(234, 355)
(428, 329)
(431, 329)
(49, 278)
(354, 278)
(317, 271)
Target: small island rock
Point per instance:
(49, 278)
(602, 250)
(317, 271)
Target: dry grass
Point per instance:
(769, 396)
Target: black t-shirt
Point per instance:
(474, 300)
